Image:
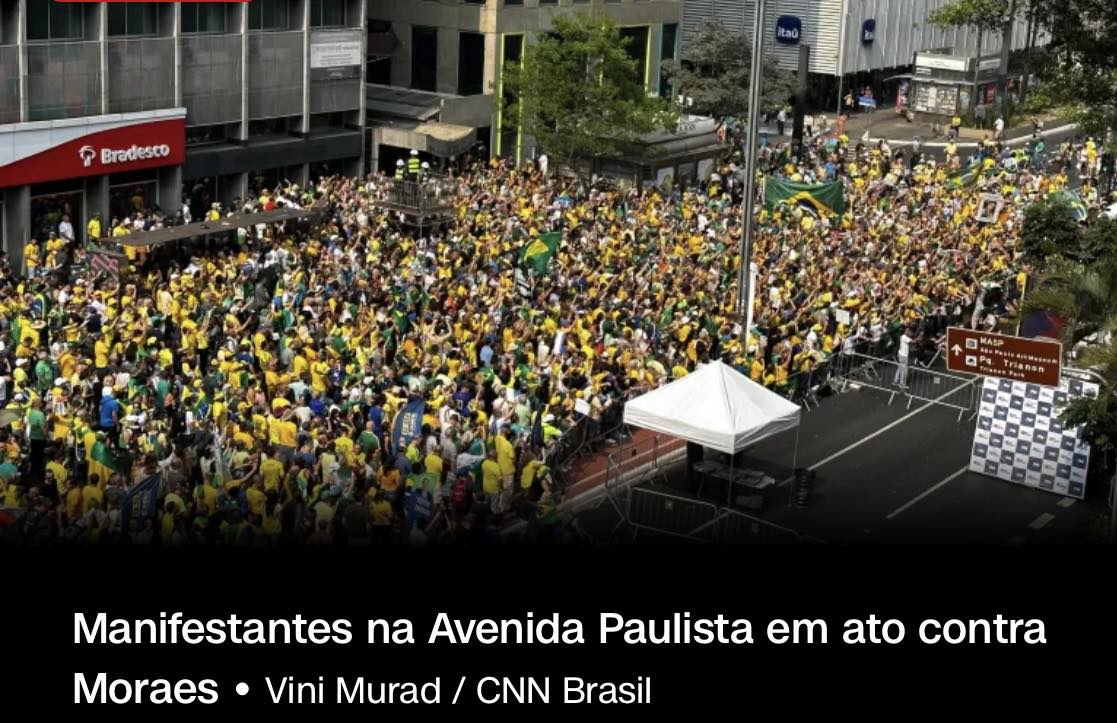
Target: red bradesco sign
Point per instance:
(127, 147)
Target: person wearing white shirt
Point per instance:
(66, 229)
(900, 378)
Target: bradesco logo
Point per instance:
(110, 156)
(788, 29)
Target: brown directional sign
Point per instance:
(1008, 357)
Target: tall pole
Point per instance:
(752, 139)
(841, 57)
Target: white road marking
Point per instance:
(882, 430)
(1039, 522)
(1067, 502)
(925, 492)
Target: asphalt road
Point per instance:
(888, 475)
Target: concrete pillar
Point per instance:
(401, 58)
(492, 61)
(17, 219)
(243, 72)
(169, 192)
(655, 50)
(304, 126)
(449, 44)
(103, 43)
(96, 201)
(374, 149)
(302, 178)
(21, 40)
(233, 185)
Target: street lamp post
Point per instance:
(744, 279)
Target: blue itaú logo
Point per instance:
(788, 29)
(868, 31)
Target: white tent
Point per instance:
(715, 406)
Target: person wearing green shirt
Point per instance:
(37, 436)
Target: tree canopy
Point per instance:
(984, 15)
(715, 73)
(579, 93)
(1081, 74)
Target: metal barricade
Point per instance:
(949, 390)
(667, 514)
(738, 528)
(852, 370)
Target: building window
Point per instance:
(132, 19)
(327, 13)
(204, 17)
(513, 2)
(54, 21)
(637, 48)
(471, 63)
(268, 15)
(205, 135)
(424, 58)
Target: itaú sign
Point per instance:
(57, 153)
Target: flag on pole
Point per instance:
(409, 422)
(822, 198)
(538, 253)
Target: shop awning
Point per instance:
(200, 229)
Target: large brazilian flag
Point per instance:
(821, 198)
(537, 253)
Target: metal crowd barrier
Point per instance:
(913, 381)
(738, 528)
(853, 368)
(949, 390)
(667, 514)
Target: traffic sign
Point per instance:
(1008, 357)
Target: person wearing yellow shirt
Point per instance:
(92, 498)
(271, 471)
(101, 349)
(256, 497)
(491, 483)
(318, 376)
(93, 228)
(432, 463)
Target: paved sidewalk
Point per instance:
(897, 130)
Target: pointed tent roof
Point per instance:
(715, 406)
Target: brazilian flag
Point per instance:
(101, 462)
(964, 177)
(1075, 202)
(538, 253)
(822, 198)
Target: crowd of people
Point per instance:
(351, 379)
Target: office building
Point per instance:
(106, 107)
(856, 42)
(434, 67)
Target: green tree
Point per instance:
(579, 93)
(1085, 296)
(984, 16)
(715, 73)
(1081, 74)
(1049, 229)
